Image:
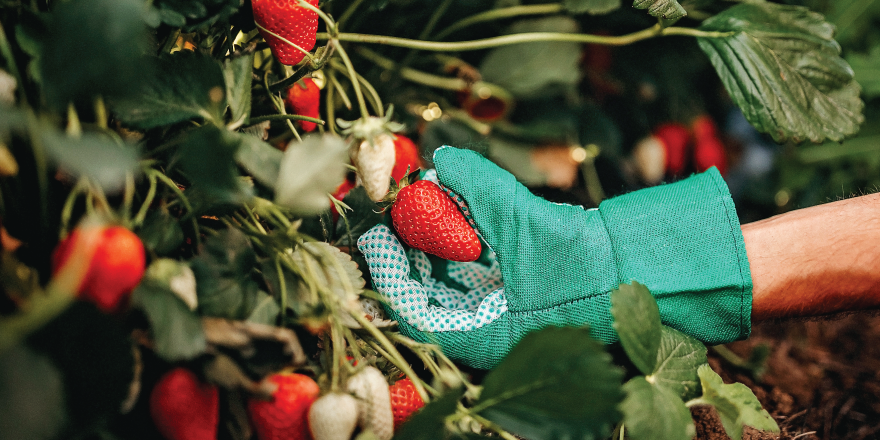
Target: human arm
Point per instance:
(816, 261)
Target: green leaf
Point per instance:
(665, 9)
(867, 71)
(238, 73)
(196, 14)
(94, 48)
(429, 423)
(207, 157)
(189, 85)
(678, 358)
(161, 232)
(97, 156)
(637, 321)
(783, 69)
(29, 376)
(593, 7)
(852, 19)
(651, 412)
(258, 158)
(177, 331)
(736, 404)
(266, 311)
(529, 70)
(223, 276)
(556, 383)
(310, 170)
(364, 215)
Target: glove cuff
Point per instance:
(683, 241)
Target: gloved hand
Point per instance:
(559, 263)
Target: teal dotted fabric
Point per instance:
(390, 267)
(555, 264)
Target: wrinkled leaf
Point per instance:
(207, 159)
(528, 70)
(309, 171)
(177, 331)
(867, 71)
(556, 383)
(783, 69)
(594, 7)
(97, 156)
(189, 85)
(266, 311)
(93, 48)
(429, 423)
(238, 73)
(223, 276)
(637, 321)
(161, 232)
(736, 404)
(665, 9)
(258, 158)
(651, 412)
(678, 358)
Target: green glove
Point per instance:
(559, 263)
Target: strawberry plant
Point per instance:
(183, 185)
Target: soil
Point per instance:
(822, 379)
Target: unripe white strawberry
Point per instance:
(374, 162)
(374, 402)
(333, 417)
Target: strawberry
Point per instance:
(303, 99)
(675, 138)
(115, 270)
(406, 157)
(284, 23)
(374, 161)
(183, 408)
(708, 149)
(374, 402)
(284, 418)
(428, 220)
(405, 401)
(333, 417)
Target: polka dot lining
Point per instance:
(459, 311)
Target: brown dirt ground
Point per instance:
(822, 379)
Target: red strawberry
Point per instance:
(428, 220)
(405, 401)
(675, 138)
(287, 21)
(115, 270)
(285, 417)
(183, 408)
(406, 156)
(303, 99)
(708, 149)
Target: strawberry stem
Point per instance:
(527, 37)
(498, 14)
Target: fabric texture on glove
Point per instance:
(559, 263)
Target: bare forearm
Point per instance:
(816, 261)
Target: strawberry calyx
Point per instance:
(368, 129)
(408, 179)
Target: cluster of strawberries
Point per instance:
(184, 408)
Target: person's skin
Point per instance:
(816, 261)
